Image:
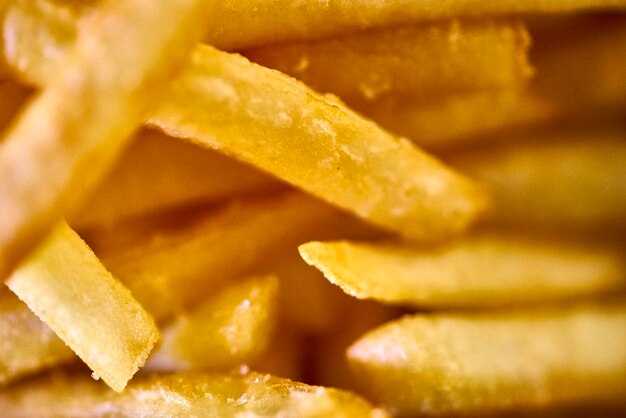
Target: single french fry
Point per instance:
(241, 24)
(72, 132)
(168, 270)
(480, 364)
(417, 61)
(184, 394)
(477, 271)
(27, 345)
(157, 173)
(558, 179)
(233, 327)
(264, 118)
(65, 285)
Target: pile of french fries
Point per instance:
(312, 209)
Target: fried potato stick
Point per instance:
(486, 270)
(417, 61)
(66, 286)
(269, 120)
(476, 365)
(185, 394)
(72, 132)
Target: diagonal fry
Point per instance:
(64, 283)
(417, 61)
(71, 133)
(477, 365)
(232, 327)
(266, 119)
(252, 395)
(27, 345)
(476, 271)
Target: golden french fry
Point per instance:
(184, 394)
(559, 179)
(480, 364)
(241, 24)
(233, 327)
(27, 345)
(266, 119)
(168, 270)
(476, 271)
(416, 61)
(71, 133)
(157, 173)
(64, 283)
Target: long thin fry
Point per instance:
(262, 117)
(63, 282)
(184, 395)
(70, 135)
(27, 345)
(417, 61)
(476, 365)
(477, 271)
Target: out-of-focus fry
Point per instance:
(157, 173)
(417, 61)
(479, 364)
(63, 282)
(456, 121)
(71, 133)
(264, 118)
(170, 270)
(12, 97)
(27, 345)
(477, 271)
(572, 178)
(233, 327)
(285, 355)
(185, 394)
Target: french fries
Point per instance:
(478, 271)
(520, 314)
(71, 133)
(481, 364)
(66, 286)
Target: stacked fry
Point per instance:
(312, 209)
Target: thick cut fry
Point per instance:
(279, 125)
(184, 395)
(157, 173)
(231, 328)
(168, 271)
(475, 365)
(71, 133)
(560, 179)
(416, 61)
(63, 282)
(27, 345)
(477, 271)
